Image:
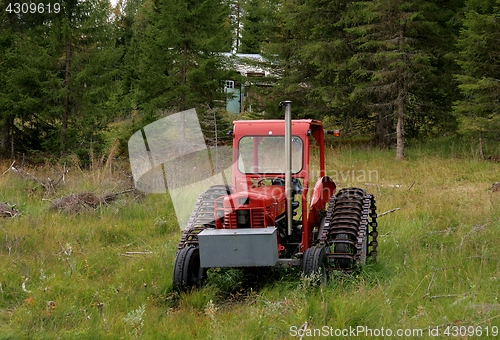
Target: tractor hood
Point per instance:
(265, 197)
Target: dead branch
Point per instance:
(73, 203)
(100, 307)
(11, 243)
(23, 285)
(388, 212)
(132, 253)
(8, 169)
(427, 294)
(7, 210)
(447, 296)
(430, 283)
(477, 228)
(48, 185)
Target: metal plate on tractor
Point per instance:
(253, 247)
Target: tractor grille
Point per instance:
(258, 218)
(245, 218)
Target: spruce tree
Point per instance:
(180, 64)
(393, 62)
(479, 108)
(59, 77)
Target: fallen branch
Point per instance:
(11, 243)
(48, 185)
(8, 169)
(430, 283)
(427, 294)
(100, 307)
(473, 230)
(132, 253)
(7, 210)
(23, 286)
(388, 212)
(447, 296)
(73, 203)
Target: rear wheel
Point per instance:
(187, 270)
(315, 262)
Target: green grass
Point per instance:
(77, 277)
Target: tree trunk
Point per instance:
(400, 140)
(67, 76)
(4, 137)
(400, 103)
(385, 129)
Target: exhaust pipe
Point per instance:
(288, 170)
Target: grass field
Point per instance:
(106, 274)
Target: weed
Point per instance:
(135, 320)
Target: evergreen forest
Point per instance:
(75, 74)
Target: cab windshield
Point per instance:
(266, 154)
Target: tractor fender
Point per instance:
(323, 189)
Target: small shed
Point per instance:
(250, 66)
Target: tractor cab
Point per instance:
(259, 171)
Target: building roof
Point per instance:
(248, 64)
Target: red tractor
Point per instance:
(271, 216)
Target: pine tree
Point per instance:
(392, 63)
(180, 65)
(310, 47)
(479, 108)
(90, 62)
(59, 77)
(258, 24)
(23, 64)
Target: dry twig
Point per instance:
(477, 228)
(7, 210)
(100, 307)
(388, 212)
(48, 185)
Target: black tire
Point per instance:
(344, 248)
(187, 270)
(315, 261)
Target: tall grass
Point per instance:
(106, 274)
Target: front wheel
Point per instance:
(188, 272)
(315, 262)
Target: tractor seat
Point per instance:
(296, 185)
